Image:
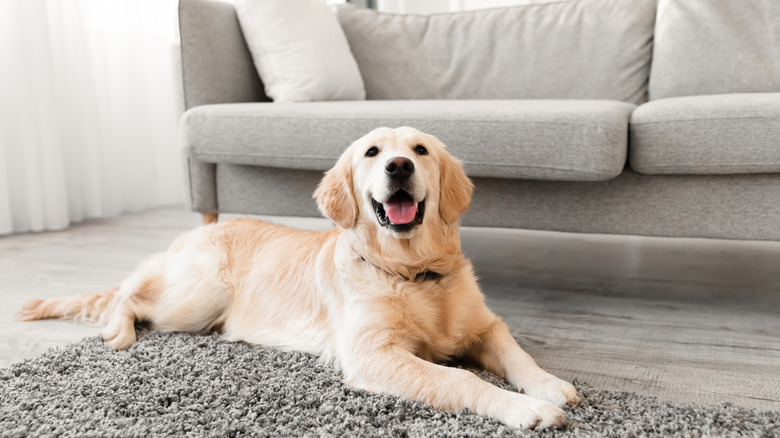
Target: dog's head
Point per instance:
(400, 180)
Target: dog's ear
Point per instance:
(334, 194)
(455, 188)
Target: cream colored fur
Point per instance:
(344, 294)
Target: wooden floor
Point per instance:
(684, 319)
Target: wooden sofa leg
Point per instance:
(210, 218)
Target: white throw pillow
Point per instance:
(300, 50)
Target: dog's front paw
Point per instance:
(530, 413)
(548, 387)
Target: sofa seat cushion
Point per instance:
(716, 134)
(565, 140)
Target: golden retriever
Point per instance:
(384, 296)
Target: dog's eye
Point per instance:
(420, 150)
(373, 151)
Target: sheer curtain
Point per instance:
(89, 106)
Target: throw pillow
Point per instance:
(299, 50)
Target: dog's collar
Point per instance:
(419, 278)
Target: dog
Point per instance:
(386, 295)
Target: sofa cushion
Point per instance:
(299, 50)
(565, 140)
(718, 134)
(589, 49)
(715, 46)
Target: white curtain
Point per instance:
(89, 106)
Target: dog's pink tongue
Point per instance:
(401, 211)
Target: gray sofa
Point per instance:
(594, 116)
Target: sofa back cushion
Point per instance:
(716, 46)
(587, 49)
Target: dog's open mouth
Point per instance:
(400, 212)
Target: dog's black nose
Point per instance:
(399, 168)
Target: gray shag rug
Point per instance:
(181, 384)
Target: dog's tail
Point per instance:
(90, 308)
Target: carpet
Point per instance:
(184, 385)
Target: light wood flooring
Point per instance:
(688, 320)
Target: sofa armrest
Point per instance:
(216, 64)
(216, 67)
